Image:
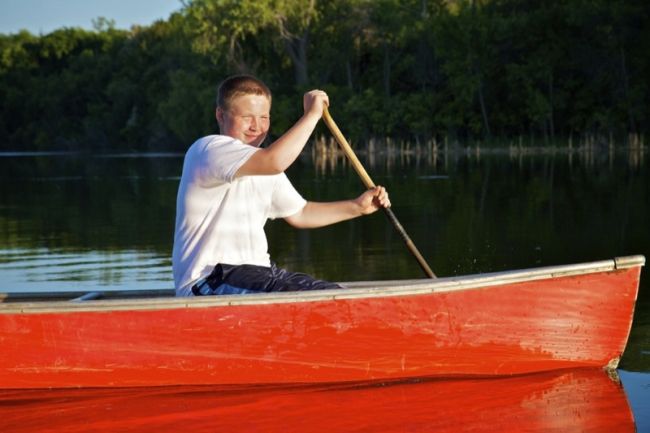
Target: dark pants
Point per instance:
(239, 279)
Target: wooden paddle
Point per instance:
(336, 132)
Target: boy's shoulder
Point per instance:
(214, 142)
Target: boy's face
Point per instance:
(248, 119)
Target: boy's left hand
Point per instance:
(372, 200)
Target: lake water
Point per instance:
(105, 222)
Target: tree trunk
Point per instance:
(481, 100)
(551, 121)
(348, 71)
(296, 48)
(626, 90)
(387, 70)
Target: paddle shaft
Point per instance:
(367, 181)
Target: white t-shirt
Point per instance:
(220, 218)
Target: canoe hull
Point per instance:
(487, 330)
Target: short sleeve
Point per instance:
(286, 200)
(222, 156)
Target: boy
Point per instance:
(230, 187)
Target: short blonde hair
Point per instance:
(239, 85)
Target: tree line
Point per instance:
(407, 69)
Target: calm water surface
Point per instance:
(105, 222)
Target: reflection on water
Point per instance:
(563, 401)
(43, 269)
(74, 222)
(326, 154)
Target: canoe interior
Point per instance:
(77, 296)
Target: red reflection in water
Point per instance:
(562, 401)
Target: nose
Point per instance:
(254, 123)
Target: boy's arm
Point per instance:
(283, 152)
(319, 214)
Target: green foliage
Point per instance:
(401, 68)
(184, 109)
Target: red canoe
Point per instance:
(493, 324)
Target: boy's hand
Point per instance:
(372, 200)
(314, 101)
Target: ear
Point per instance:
(219, 115)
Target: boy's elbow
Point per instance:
(276, 165)
(294, 222)
(273, 163)
(262, 163)
(299, 219)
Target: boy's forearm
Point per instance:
(318, 214)
(281, 153)
(286, 149)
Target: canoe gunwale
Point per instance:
(354, 290)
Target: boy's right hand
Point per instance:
(314, 101)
